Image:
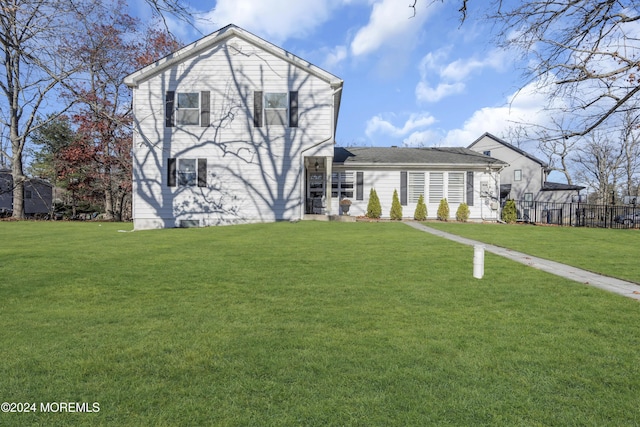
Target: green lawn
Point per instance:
(612, 252)
(370, 324)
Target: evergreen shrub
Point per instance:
(396, 207)
(421, 210)
(509, 212)
(374, 210)
(462, 214)
(443, 210)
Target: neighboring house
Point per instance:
(229, 129)
(526, 177)
(37, 195)
(457, 174)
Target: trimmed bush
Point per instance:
(396, 207)
(462, 214)
(374, 210)
(443, 210)
(510, 212)
(421, 210)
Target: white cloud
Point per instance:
(429, 94)
(389, 25)
(335, 57)
(381, 126)
(451, 77)
(274, 20)
(526, 106)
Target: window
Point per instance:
(456, 187)
(275, 109)
(528, 200)
(187, 172)
(415, 186)
(342, 185)
(187, 108)
(278, 109)
(436, 187)
(517, 175)
(27, 194)
(487, 153)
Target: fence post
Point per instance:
(478, 261)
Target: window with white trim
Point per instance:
(455, 187)
(436, 187)
(188, 108)
(342, 184)
(517, 175)
(415, 186)
(275, 108)
(187, 172)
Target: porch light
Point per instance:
(317, 166)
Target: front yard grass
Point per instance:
(612, 252)
(302, 324)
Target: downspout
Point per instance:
(302, 166)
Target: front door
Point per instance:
(315, 193)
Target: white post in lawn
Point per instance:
(478, 261)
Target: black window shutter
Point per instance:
(293, 109)
(403, 188)
(205, 108)
(470, 188)
(202, 172)
(169, 109)
(359, 185)
(171, 172)
(257, 109)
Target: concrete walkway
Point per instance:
(611, 284)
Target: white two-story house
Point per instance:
(227, 130)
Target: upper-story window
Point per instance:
(275, 109)
(517, 175)
(188, 108)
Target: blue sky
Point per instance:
(408, 81)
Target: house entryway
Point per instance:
(316, 186)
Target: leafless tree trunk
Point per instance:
(630, 140)
(599, 165)
(33, 63)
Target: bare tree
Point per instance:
(35, 61)
(630, 139)
(585, 52)
(599, 164)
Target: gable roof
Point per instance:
(223, 34)
(406, 156)
(511, 147)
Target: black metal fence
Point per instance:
(579, 214)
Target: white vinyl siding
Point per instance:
(436, 187)
(415, 186)
(455, 190)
